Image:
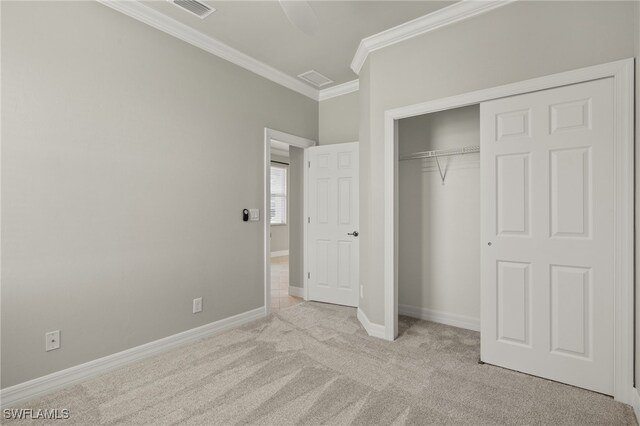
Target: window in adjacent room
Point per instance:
(278, 195)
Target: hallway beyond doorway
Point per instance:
(280, 284)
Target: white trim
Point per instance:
(26, 391)
(635, 402)
(280, 152)
(457, 12)
(305, 270)
(293, 140)
(288, 138)
(149, 16)
(280, 253)
(454, 320)
(622, 73)
(296, 291)
(624, 230)
(339, 90)
(372, 329)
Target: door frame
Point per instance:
(299, 142)
(622, 73)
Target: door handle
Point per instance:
(354, 233)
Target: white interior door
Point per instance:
(547, 303)
(332, 235)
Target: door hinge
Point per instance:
(308, 275)
(309, 219)
(309, 164)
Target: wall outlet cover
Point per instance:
(52, 340)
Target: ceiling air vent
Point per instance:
(315, 78)
(194, 7)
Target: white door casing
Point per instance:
(333, 202)
(548, 184)
(291, 140)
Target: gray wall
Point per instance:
(296, 216)
(367, 236)
(440, 223)
(127, 158)
(280, 233)
(522, 40)
(339, 119)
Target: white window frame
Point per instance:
(285, 195)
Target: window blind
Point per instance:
(278, 195)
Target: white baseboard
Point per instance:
(454, 320)
(280, 253)
(296, 291)
(23, 392)
(373, 330)
(635, 403)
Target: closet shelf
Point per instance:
(441, 153)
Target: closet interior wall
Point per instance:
(439, 234)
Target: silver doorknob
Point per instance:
(354, 233)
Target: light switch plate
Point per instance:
(254, 215)
(197, 305)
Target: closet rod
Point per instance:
(441, 153)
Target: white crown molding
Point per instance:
(457, 12)
(26, 391)
(145, 14)
(339, 90)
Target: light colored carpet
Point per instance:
(313, 363)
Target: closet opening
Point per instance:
(439, 217)
(555, 193)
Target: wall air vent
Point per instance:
(194, 7)
(315, 78)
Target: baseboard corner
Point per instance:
(453, 320)
(296, 291)
(372, 329)
(635, 403)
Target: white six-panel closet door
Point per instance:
(547, 234)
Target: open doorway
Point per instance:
(284, 219)
(279, 215)
(439, 208)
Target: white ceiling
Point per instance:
(261, 30)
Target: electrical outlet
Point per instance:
(52, 340)
(361, 291)
(197, 305)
